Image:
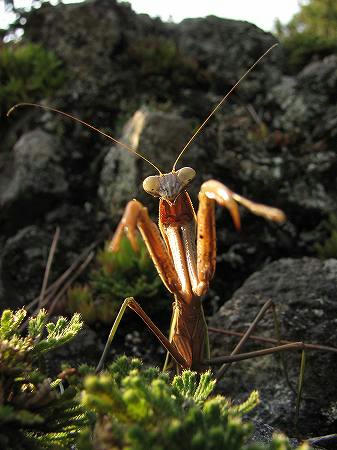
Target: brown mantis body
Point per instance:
(183, 249)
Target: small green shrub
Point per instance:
(310, 34)
(301, 48)
(117, 276)
(27, 72)
(33, 412)
(139, 408)
(161, 65)
(329, 248)
(160, 55)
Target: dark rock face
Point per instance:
(153, 84)
(227, 48)
(34, 179)
(23, 259)
(305, 294)
(273, 140)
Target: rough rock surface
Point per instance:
(36, 179)
(158, 136)
(272, 141)
(151, 84)
(24, 254)
(305, 294)
(264, 433)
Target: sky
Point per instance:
(261, 12)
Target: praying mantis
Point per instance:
(183, 249)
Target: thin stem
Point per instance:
(282, 360)
(264, 352)
(244, 338)
(323, 348)
(48, 265)
(66, 285)
(300, 388)
(54, 286)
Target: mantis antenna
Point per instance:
(219, 104)
(49, 108)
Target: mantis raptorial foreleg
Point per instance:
(212, 192)
(136, 216)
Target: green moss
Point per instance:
(28, 72)
(158, 58)
(328, 249)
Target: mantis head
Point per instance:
(169, 185)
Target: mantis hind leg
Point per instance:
(132, 304)
(234, 356)
(269, 304)
(282, 346)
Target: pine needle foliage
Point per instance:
(116, 276)
(33, 412)
(139, 408)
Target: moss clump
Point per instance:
(139, 408)
(328, 249)
(116, 276)
(34, 414)
(27, 72)
(157, 59)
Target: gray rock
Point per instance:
(304, 292)
(156, 135)
(273, 141)
(24, 255)
(23, 259)
(37, 175)
(306, 102)
(264, 433)
(229, 47)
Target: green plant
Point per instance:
(139, 408)
(303, 47)
(310, 33)
(161, 56)
(328, 249)
(27, 72)
(34, 414)
(116, 276)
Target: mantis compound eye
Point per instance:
(185, 175)
(151, 185)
